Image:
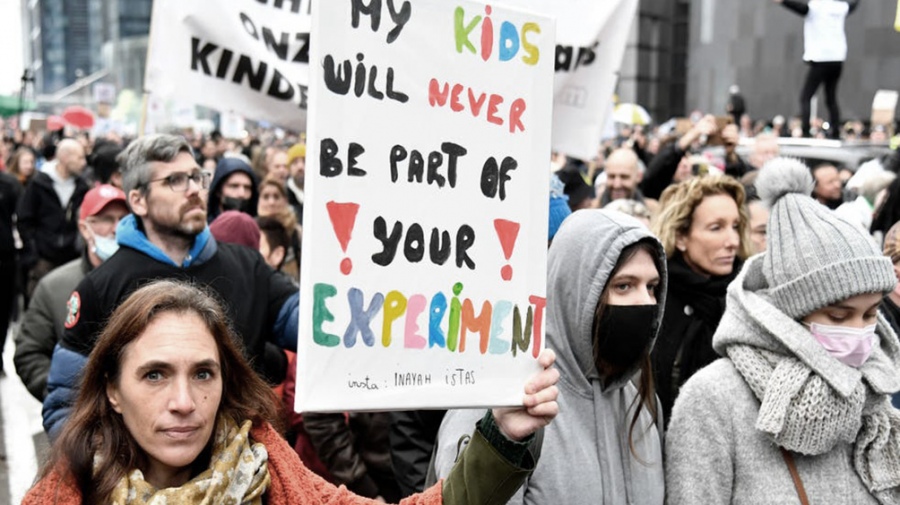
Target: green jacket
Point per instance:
(487, 472)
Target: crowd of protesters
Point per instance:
(726, 325)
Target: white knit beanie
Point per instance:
(814, 257)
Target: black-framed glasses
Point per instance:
(179, 181)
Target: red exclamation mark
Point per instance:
(507, 231)
(343, 217)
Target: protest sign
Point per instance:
(251, 58)
(423, 274)
(590, 45)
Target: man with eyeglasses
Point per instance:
(43, 323)
(166, 236)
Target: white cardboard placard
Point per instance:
(423, 274)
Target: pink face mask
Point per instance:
(850, 346)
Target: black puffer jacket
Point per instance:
(49, 231)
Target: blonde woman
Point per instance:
(273, 202)
(797, 409)
(703, 225)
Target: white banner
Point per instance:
(425, 219)
(249, 57)
(590, 43)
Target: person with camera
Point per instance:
(674, 164)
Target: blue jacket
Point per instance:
(262, 304)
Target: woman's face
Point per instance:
(168, 394)
(856, 312)
(26, 164)
(635, 283)
(712, 242)
(271, 201)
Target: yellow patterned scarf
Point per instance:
(237, 474)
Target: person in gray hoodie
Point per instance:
(798, 409)
(606, 284)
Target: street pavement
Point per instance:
(23, 437)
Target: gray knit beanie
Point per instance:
(814, 257)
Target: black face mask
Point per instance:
(625, 331)
(240, 204)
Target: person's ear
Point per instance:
(681, 243)
(85, 232)
(137, 201)
(112, 394)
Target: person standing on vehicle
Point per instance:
(824, 49)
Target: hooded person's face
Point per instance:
(236, 192)
(625, 323)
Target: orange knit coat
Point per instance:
(292, 483)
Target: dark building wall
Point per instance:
(134, 18)
(73, 32)
(654, 68)
(758, 45)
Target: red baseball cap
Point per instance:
(98, 198)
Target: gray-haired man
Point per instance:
(166, 236)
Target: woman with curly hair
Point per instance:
(703, 225)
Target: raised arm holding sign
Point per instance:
(425, 220)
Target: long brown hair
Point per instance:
(16, 159)
(646, 387)
(286, 217)
(94, 429)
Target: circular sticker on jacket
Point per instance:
(74, 310)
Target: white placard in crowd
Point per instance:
(232, 125)
(590, 44)
(425, 217)
(250, 57)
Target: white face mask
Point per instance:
(104, 247)
(850, 346)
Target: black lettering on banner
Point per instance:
(255, 77)
(465, 238)
(353, 152)
(295, 4)
(337, 80)
(224, 62)
(329, 164)
(199, 56)
(302, 55)
(398, 154)
(372, 8)
(279, 47)
(440, 246)
(389, 243)
(279, 44)
(494, 178)
(249, 25)
(246, 71)
(453, 152)
(567, 60)
(400, 19)
(414, 245)
(280, 86)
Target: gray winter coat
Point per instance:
(585, 457)
(714, 452)
(42, 324)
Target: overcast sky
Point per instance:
(10, 47)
